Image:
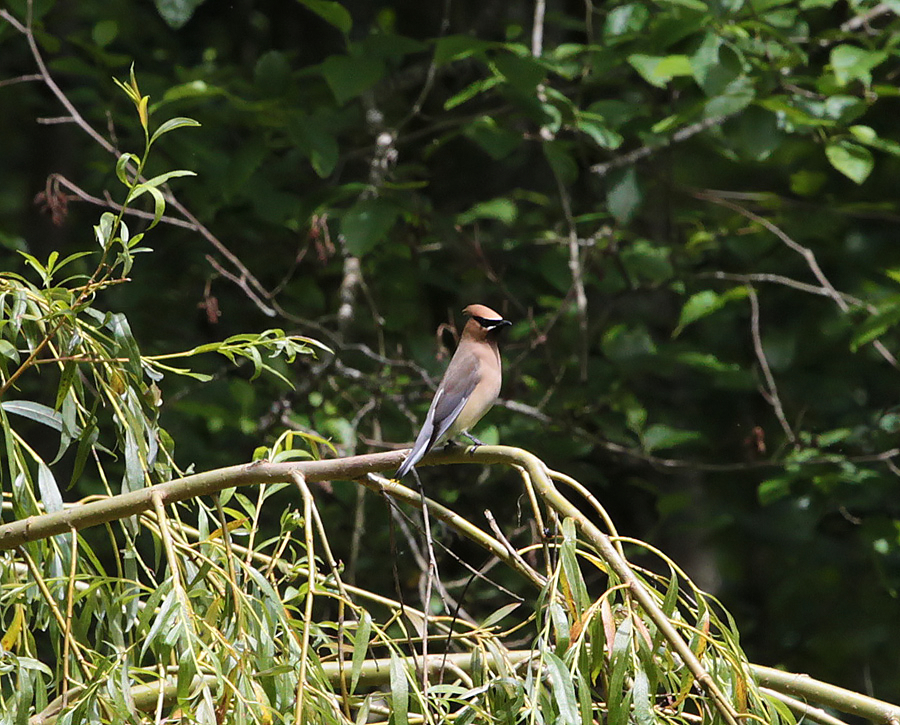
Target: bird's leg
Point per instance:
(472, 438)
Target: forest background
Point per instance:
(688, 209)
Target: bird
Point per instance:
(470, 385)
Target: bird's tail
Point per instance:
(423, 444)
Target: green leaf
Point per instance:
(497, 141)
(523, 73)
(503, 210)
(618, 695)
(348, 77)
(176, 13)
(704, 303)
(850, 63)
(500, 614)
(331, 12)
(715, 65)
(571, 570)
(758, 132)
(314, 135)
(156, 181)
(643, 710)
(171, 125)
(122, 164)
(559, 156)
(868, 136)
(774, 489)
(366, 223)
(624, 196)
(594, 125)
(624, 19)
(66, 378)
(562, 628)
(159, 205)
(457, 47)
(71, 258)
(887, 316)
(105, 32)
(8, 350)
(86, 443)
(104, 230)
(34, 411)
(36, 265)
(399, 691)
(472, 90)
(50, 494)
(659, 70)
(563, 690)
(360, 648)
(272, 73)
(736, 97)
(623, 344)
(852, 160)
(659, 437)
(697, 5)
(807, 183)
(670, 601)
(118, 325)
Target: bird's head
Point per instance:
(483, 322)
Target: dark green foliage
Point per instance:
(616, 194)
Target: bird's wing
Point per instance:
(457, 389)
(452, 395)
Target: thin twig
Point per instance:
(804, 252)
(430, 74)
(537, 28)
(30, 78)
(787, 282)
(860, 20)
(498, 533)
(300, 480)
(576, 271)
(639, 154)
(771, 391)
(108, 203)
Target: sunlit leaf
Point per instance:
(852, 160)
(171, 125)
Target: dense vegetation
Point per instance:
(687, 208)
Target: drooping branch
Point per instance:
(361, 468)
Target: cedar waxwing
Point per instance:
(469, 387)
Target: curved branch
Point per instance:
(806, 688)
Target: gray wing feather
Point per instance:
(453, 393)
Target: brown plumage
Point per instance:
(469, 387)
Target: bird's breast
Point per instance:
(478, 404)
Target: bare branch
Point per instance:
(20, 79)
(804, 252)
